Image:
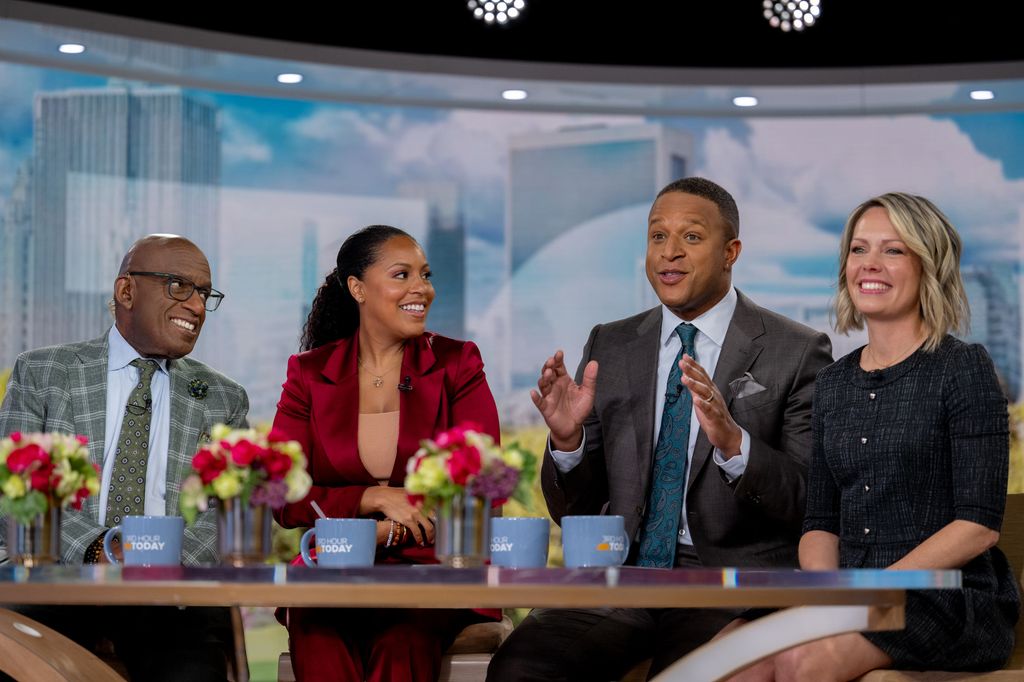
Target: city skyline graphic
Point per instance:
(534, 223)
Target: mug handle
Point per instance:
(107, 539)
(625, 550)
(304, 548)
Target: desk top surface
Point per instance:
(441, 587)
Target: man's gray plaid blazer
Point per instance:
(64, 388)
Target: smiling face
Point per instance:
(883, 276)
(395, 292)
(689, 257)
(156, 325)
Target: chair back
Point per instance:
(1011, 542)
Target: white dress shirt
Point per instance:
(711, 329)
(122, 378)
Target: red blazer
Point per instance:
(319, 407)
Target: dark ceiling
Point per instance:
(681, 33)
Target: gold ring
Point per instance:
(710, 397)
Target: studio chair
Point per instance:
(1011, 542)
(465, 661)
(234, 651)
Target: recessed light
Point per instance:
(501, 11)
(981, 95)
(289, 78)
(745, 101)
(513, 95)
(791, 14)
(71, 48)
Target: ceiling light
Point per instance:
(71, 48)
(513, 95)
(289, 78)
(791, 14)
(982, 95)
(745, 101)
(500, 11)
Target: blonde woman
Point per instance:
(910, 454)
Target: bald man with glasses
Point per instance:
(137, 373)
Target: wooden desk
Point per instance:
(851, 599)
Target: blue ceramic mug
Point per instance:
(594, 541)
(341, 543)
(519, 542)
(147, 540)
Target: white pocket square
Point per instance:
(745, 386)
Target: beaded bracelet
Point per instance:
(391, 535)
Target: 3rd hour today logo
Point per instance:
(143, 542)
(333, 546)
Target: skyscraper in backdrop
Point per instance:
(559, 181)
(15, 264)
(446, 252)
(996, 320)
(110, 165)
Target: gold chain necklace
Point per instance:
(903, 354)
(378, 379)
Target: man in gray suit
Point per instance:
(745, 381)
(162, 293)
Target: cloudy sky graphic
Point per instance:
(795, 180)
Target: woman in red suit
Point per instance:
(371, 383)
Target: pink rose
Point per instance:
(16, 436)
(21, 459)
(40, 479)
(83, 440)
(452, 438)
(463, 463)
(80, 496)
(244, 452)
(276, 464)
(277, 435)
(209, 465)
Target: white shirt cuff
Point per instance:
(567, 461)
(735, 466)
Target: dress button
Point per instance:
(639, 510)
(867, 531)
(871, 395)
(867, 488)
(863, 441)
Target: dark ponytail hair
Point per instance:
(334, 314)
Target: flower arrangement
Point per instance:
(38, 470)
(465, 461)
(257, 465)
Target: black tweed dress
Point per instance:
(898, 454)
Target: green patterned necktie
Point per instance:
(665, 504)
(127, 493)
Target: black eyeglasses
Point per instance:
(181, 289)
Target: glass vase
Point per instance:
(243, 533)
(463, 531)
(37, 542)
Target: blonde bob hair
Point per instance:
(927, 232)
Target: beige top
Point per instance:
(378, 443)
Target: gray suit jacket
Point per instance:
(752, 521)
(64, 388)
